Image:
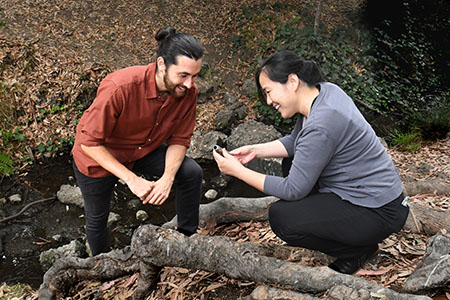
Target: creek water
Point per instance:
(34, 231)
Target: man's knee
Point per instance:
(190, 170)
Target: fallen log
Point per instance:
(67, 272)
(165, 247)
(421, 219)
(429, 186)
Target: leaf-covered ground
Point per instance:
(54, 53)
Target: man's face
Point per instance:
(180, 77)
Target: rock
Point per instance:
(434, 269)
(57, 237)
(205, 89)
(113, 218)
(69, 194)
(211, 194)
(224, 119)
(16, 198)
(221, 181)
(141, 215)
(134, 204)
(383, 142)
(253, 132)
(249, 88)
(229, 98)
(74, 249)
(202, 144)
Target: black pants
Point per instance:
(97, 193)
(325, 222)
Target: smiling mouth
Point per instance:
(277, 107)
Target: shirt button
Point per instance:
(149, 140)
(139, 148)
(157, 124)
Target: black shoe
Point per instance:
(352, 264)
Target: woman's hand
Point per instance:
(228, 164)
(244, 154)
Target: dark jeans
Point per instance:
(97, 193)
(325, 222)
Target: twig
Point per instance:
(26, 207)
(415, 220)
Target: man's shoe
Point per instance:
(352, 264)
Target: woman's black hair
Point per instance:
(280, 65)
(171, 44)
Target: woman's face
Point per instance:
(279, 95)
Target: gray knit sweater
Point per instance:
(339, 150)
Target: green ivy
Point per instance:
(6, 164)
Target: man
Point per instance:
(141, 121)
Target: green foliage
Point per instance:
(6, 164)
(410, 141)
(55, 146)
(1, 22)
(433, 121)
(368, 65)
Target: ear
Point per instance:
(293, 81)
(160, 63)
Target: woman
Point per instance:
(342, 194)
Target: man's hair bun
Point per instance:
(163, 33)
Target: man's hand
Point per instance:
(160, 192)
(140, 186)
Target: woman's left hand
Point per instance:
(228, 164)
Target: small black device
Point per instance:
(218, 149)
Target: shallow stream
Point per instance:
(34, 231)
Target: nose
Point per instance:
(268, 100)
(188, 82)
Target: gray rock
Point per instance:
(69, 194)
(221, 181)
(134, 204)
(141, 215)
(249, 88)
(251, 132)
(229, 98)
(224, 119)
(202, 144)
(205, 89)
(211, 194)
(113, 218)
(16, 198)
(57, 237)
(74, 249)
(434, 269)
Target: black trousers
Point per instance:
(97, 193)
(325, 222)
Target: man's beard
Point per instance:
(172, 87)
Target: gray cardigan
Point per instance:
(339, 150)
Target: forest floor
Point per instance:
(54, 53)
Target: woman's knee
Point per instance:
(277, 219)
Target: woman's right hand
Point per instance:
(244, 154)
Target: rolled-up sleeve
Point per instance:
(98, 122)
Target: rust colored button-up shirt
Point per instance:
(131, 119)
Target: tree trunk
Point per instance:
(317, 17)
(228, 210)
(164, 247)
